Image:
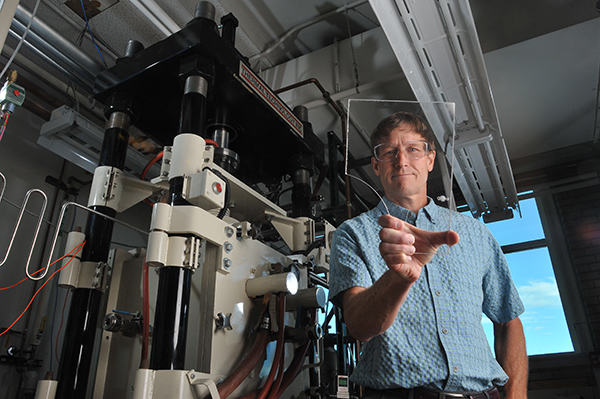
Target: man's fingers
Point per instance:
(397, 258)
(437, 239)
(390, 221)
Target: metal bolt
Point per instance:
(228, 247)
(227, 263)
(228, 231)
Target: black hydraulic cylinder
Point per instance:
(114, 148)
(170, 322)
(79, 344)
(193, 110)
(301, 197)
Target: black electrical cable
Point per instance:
(308, 250)
(223, 211)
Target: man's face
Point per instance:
(404, 176)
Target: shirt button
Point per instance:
(445, 330)
(455, 368)
(438, 293)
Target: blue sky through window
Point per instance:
(544, 319)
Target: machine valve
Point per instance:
(115, 322)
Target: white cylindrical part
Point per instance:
(281, 282)
(161, 217)
(314, 297)
(176, 254)
(70, 274)
(187, 158)
(158, 247)
(46, 389)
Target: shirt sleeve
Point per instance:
(347, 265)
(501, 301)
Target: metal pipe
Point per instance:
(304, 25)
(82, 99)
(3, 185)
(57, 42)
(157, 16)
(46, 48)
(37, 229)
(82, 83)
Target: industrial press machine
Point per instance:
(239, 279)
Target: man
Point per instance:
(420, 313)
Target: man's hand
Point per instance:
(406, 248)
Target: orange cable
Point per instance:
(39, 289)
(62, 257)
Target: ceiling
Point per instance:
(542, 58)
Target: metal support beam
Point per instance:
(437, 46)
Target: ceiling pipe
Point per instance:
(83, 99)
(303, 25)
(157, 16)
(84, 84)
(55, 44)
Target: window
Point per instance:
(523, 242)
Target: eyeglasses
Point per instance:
(387, 152)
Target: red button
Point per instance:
(16, 92)
(217, 187)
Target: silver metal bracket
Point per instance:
(223, 321)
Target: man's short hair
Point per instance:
(385, 127)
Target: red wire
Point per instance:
(15, 284)
(152, 162)
(211, 142)
(6, 115)
(45, 282)
(37, 271)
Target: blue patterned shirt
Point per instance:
(437, 340)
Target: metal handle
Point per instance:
(37, 229)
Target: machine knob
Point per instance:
(112, 322)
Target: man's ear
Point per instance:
(375, 166)
(431, 160)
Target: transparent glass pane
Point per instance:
(363, 117)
